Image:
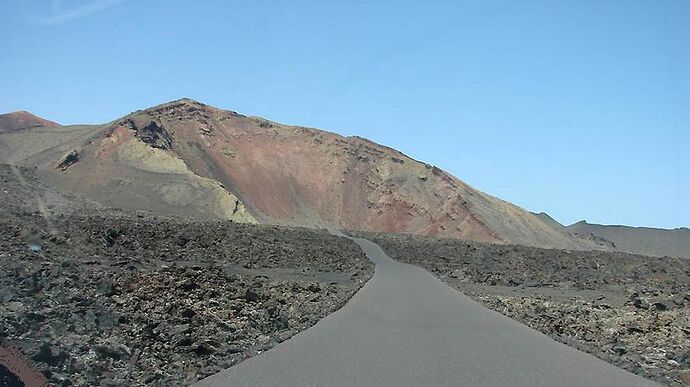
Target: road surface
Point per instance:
(407, 328)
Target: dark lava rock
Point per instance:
(252, 296)
(105, 287)
(109, 304)
(49, 354)
(113, 349)
(187, 313)
(661, 305)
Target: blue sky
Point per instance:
(577, 108)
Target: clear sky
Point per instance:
(578, 108)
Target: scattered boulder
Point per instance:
(661, 305)
(50, 354)
(251, 295)
(113, 349)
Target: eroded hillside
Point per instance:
(192, 159)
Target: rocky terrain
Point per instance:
(632, 311)
(96, 296)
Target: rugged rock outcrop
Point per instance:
(69, 159)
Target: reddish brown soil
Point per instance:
(22, 120)
(298, 175)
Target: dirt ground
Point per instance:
(632, 311)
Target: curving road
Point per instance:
(407, 328)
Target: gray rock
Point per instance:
(105, 287)
(252, 296)
(661, 305)
(113, 349)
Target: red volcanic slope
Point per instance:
(304, 176)
(23, 120)
(198, 160)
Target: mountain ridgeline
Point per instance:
(187, 158)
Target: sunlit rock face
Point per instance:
(191, 159)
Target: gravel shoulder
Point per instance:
(96, 296)
(629, 310)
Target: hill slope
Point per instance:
(193, 159)
(22, 120)
(640, 240)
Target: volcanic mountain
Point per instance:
(22, 120)
(191, 159)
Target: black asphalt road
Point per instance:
(407, 328)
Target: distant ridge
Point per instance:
(640, 240)
(23, 120)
